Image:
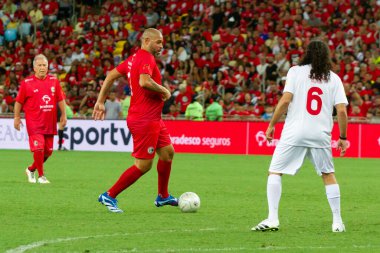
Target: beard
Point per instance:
(156, 52)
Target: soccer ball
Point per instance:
(189, 202)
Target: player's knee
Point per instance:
(170, 155)
(329, 178)
(144, 169)
(167, 154)
(144, 165)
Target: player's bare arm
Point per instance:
(99, 109)
(281, 108)
(342, 122)
(148, 83)
(63, 118)
(17, 117)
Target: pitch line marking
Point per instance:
(34, 245)
(38, 244)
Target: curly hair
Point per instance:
(318, 55)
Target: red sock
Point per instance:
(163, 169)
(38, 163)
(126, 179)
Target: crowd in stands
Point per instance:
(231, 55)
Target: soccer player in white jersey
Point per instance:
(311, 91)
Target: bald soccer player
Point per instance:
(149, 132)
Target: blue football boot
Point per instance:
(109, 202)
(160, 201)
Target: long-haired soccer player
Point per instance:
(311, 92)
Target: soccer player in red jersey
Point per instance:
(149, 132)
(38, 97)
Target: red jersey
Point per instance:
(39, 99)
(145, 105)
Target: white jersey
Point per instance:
(309, 119)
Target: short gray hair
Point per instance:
(39, 56)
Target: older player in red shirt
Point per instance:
(38, 96)
(149, 132)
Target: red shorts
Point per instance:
(41, 142)
(147, 137)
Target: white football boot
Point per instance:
(43, 180)
(31, 176)
(267, 225)
(338, 227)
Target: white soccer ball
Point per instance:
(189, 202)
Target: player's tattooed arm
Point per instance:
(148, 83)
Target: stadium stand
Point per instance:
(236, 51)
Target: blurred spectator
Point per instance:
(88, 101)
(26, 5)
(184, 98)
(282, 63)
(268, 113)
(151, 16)
(9, 8)
(49, 10)
(113, 107)
(271, 72)
(78, 54)
(65, 9)
(68, 57)
(138, 21)
(36, 16)
(3, 105)
(214, 112)
(194, 111)
(125, 103)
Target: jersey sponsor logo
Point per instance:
(146, 67)
(36, 90)
(46, 99)
(150, 150)
(46, 107)
(53, 89)
(28, 80)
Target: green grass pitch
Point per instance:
(66, 217)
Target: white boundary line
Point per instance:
(38, 244)
(34, 245)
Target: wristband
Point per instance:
(343, 138)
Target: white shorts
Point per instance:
(288, 159)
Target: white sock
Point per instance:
(333, 196)
(274, 189)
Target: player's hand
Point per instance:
(269, 134)
(342, 146)
(17, 123)
(63, 120)
(166, 95)
(99, 111)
